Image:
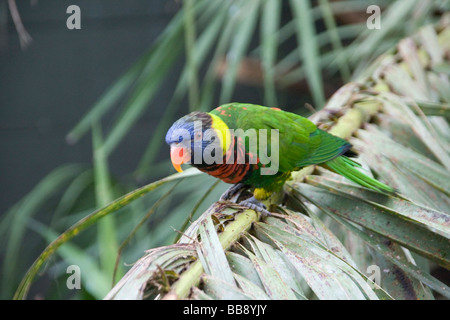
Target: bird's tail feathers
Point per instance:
(348, 168)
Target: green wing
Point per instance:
(300, 143)
(329, 147)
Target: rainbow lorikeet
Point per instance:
(221, 144)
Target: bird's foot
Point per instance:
(256, 205)
(234, 191)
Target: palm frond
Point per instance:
(302, 251)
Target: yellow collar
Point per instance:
(222, 130)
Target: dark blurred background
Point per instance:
(46, 88)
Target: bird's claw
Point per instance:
(234, 191)
(254, 204)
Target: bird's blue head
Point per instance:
(195, 134)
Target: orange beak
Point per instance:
(178, 156)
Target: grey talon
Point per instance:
(254, 204)
(233, 191)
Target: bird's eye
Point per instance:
(198, 135)
(180, 138)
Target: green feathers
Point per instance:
(300, 144)
(348, 168)
(323, 147)
(284, 142)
